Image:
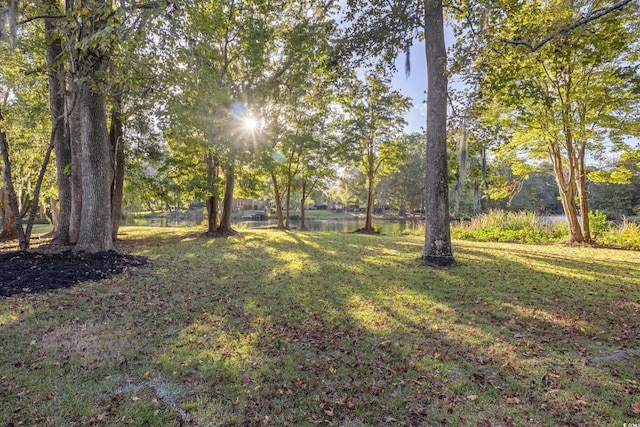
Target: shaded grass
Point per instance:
(294, 328)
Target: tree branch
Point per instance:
(564, 30)
(33, 18)
(148, 5)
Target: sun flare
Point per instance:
(250, 123)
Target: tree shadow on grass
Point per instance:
(335, 329)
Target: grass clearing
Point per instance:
(297, 328)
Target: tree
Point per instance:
(386, 28)
(437, 245)
(563, 99)
(406, 185)
(60, 133)
(85, 35)
(372, 127)
(11, 212)
(24, 166)
(97, 159)
(222, 48)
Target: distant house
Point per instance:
(320, 204)
(240, 204)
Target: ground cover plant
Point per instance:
(502, 226)
(529, 227)
(301, 328)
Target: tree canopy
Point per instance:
(173, 104)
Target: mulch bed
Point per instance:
(30, 272)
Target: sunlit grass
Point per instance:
(301, 328)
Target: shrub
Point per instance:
(597, 222)
(501, 226)
(625, 235)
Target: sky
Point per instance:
(415, 85)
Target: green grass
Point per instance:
(302, 329)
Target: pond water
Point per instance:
(338, 225)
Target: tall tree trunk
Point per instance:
(437, 245)
(583, 196)
(287, 205)
(303, 200)
(212, 200)
(485, 202)
(75, 142)
(97, 160)
(227, 202)
(567, 197)
(97, 173)
(368, 222)
(116, 139)
(36, 192)
(12, 201)
(567, 189)
(60, 140)
(278, 199)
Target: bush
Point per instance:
(625, 235)
(597, 223)
(501, 226)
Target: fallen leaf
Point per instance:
(472, 397)
(135, 398)
(513, 400)
(146, 375)
(636, 408)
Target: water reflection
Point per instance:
(340, 225)
(337, 225)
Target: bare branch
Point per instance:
(564, 30)
(33, 18)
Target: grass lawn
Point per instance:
(301, 329)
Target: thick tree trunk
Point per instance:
(8, 230)
(567, 197)
(437, 245)
(227, 202)
(11, 199)
(97, 159)
(567, 189)
(116, 139)
(97, 173)
(60, 138)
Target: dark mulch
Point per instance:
(30, 272)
